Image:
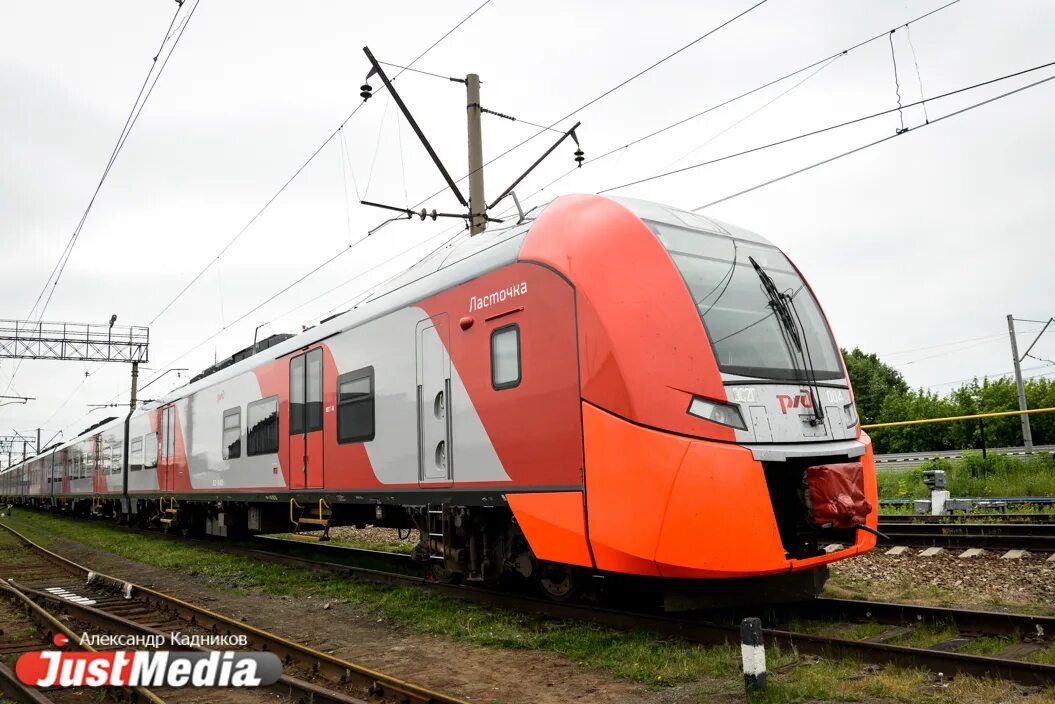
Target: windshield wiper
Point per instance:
(783, 305)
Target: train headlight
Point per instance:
(850, 415)
(715, 412)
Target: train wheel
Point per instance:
(557, 581)
(441, 575)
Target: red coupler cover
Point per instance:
(837, 494)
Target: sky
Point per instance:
(917, 248)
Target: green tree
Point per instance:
(873, 381)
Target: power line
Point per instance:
(314, 270)
(954, 351)
(754, 112)
(829, 128)
(52, 281)
(994, 375)
(876, 142)
(605, 94)
(1000, 335)
(336, 132)
(130, 121)
(745, 94)
(301, 168)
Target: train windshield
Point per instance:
(746, 335)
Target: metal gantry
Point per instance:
(83, 342)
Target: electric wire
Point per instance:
(604, 95)
(285, 185)
(829, 128)
(52, 282)
(110, 161)
(449, 79)
(954, 342)
(919, 76)
(775, 81)
(751, 114)
(876, 142)
(133, 118)
(994, 375)
(897, 84)
(303, 166)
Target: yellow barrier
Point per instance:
(1001, 414)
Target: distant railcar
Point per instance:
(612, 387)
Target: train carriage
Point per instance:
(610, 387)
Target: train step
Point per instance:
(311, 516)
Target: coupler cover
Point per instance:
(837, 494)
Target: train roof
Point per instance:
(451, 264)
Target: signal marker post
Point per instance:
(753, 653)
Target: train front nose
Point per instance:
(666, 505)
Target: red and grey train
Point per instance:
(610, 387)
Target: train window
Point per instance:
(232, 433)
(135, 455)
(296, 395)
(313, 392)
(150, 450)
(505, 357)
(305, 393)
(261, 422)
(355, 406)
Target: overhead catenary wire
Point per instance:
(999, 335)
(897, 84)
(754, 112)
(301, 168)
(605, 94)
(269, 202)
(994, 375)
(130, 120)
(877, 142)
(151, 79)
(919, 76)
(829, 128)
(285, 185)
(752, 91)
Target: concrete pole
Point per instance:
(135, 384)
(1027, 434)
(38, 441)
(477, 203)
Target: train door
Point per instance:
(435, 456)
(167, 450)
(305, 421)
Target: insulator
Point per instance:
(579, 157)
(433, 215)
(424, 214)
(366, 91)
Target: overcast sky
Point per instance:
(923, 241)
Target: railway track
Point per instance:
(1024, 634)
(64, 597)
(808, 628)
(1034, 537)
(887, 519)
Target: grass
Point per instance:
(637, 656)
(971, 475)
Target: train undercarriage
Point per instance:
(468, 544)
